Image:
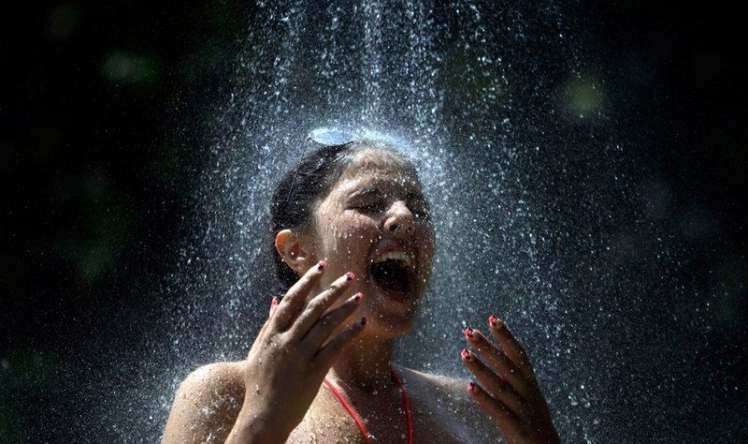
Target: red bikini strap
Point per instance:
(351, 411)
(360, 423)
(406, 404)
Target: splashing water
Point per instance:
(532, 189)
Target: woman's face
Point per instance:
(375, 223)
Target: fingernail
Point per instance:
(466, 355)
(472, 388)
(493, 321)
(468, 332)
(273, 304)
(357, 296)
(350, 276)
(363, 321)
(321, 265)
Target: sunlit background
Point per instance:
(113, 115)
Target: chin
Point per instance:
(388, 328)
(391, 314)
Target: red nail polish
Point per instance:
(357, 296)
(472, 388)
(273, 305)
(468, 332)
(493, 321)
(465, 354)
(350, 276)
(321, 265)
(363, 321)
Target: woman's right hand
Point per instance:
(291, 356)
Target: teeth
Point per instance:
(395, 255)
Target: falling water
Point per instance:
(533, 191)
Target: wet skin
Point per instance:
(377, 203)
(315, 331)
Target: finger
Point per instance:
(511, 346)
(273, 306)
(509, 423)
(318, 305)
(327, 355)
(329, 322)
(495, 386)
(295, 299)
(497, 360)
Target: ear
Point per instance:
(294, 251)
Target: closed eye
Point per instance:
(419, 209)
(370, 207)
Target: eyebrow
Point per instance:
(411, 193)
(364, 192)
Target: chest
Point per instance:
(328, 422)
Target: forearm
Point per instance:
(254, 429)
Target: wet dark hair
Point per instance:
(312, 178)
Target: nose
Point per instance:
(400, 221)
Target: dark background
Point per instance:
(103, 115)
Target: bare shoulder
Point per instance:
(447, 398)
(206, 404)
(446, 385)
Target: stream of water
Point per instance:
(536, 197)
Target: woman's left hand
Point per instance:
(506, 388)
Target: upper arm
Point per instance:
(205, 406)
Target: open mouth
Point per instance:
(394, 276)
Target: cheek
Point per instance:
(354, 235)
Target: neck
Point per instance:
(365, 365)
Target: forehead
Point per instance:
(377, 168)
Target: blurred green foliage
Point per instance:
(101, 89)
(129, 68)
(94, 148)
(583, 97)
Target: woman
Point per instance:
(354, 242)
